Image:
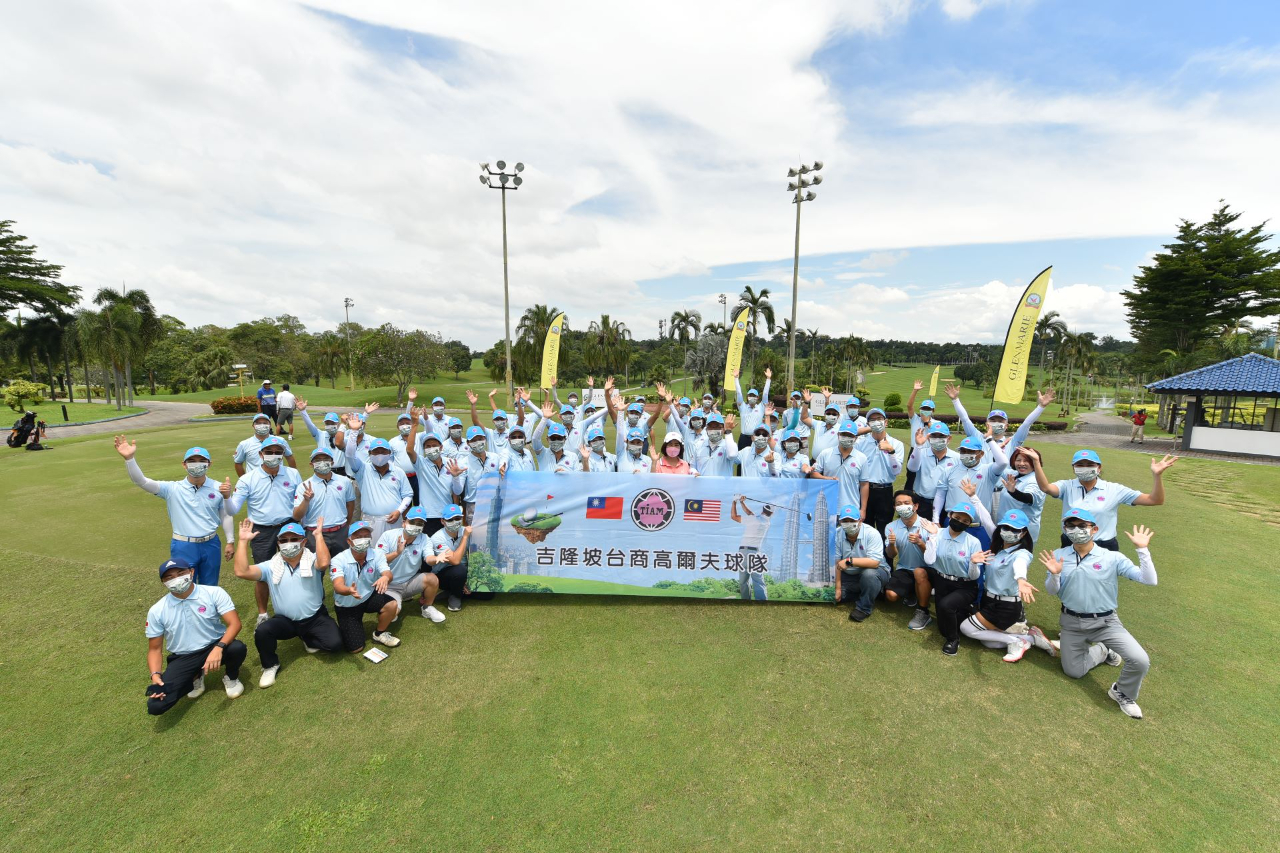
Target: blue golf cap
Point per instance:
(796, 395)
(939, 428)
(322, 451)
(273, 441)
(849, 427)
(876, 412)
(761, 428)
(753, 392)
(789, 434)
(263, 416)
(853, 401)
(965, 507)
(177, 563)
(1082, 514)
(418, 513)
(331, 416)
(357, 526)
(831, 407)
(362, 417)
(499, 415)
(971, 443)
(684, 401)
(588, 405)
(196, 451)
(426, 436)
(715, 418)
(594, 433)
(293, 527)
(1016, 519)
(451, 511)
(635, 434)
(379, 444)
(636, 407)
(476, 432)
(708, 396)
(847, 511)
(1085, 456)
(928, 404)
(557, 430)
(997, 413)
(516, 428)
(404, 416)
(566, 409)
(435, 400)
(453, 422)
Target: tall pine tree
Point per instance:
(27, 281)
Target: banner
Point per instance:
(551, 351)
(733, 359)
(933, 383)
(1011, 381)
(655, 534)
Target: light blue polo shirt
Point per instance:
(793, 467)
(1103, 500)
(954, 555)
(749, 416)
(933, 470)
(717, 460)
(381, 494)
(823, 438)
(867, 544)
(597, 464)
(436, 486)
(439, 427)
(642, 464)
(329, 499)
(294, 596)
(849, 472)
(357, 448)
(248, 456)
(522, 461)
(1091, 584)
(450, 449)
(910, 555)
(442, 543)
(1004, 569)
(194, 511)
(409, 563)
(270, 498)
(1026, 485)
(880, 465)
(192, 623)
(476, 468)
(324, 441)
(981, 475)
(345, 566)
(754, 465)
(400, 452)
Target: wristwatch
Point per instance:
(221, 645)
(157, 673)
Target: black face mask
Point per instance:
(957, 526)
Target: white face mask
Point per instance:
(405, 429)
(478, 446)
(1077, 535)
(272, 460)
(197, 469)
(753, 400)
(997, 428)
(696, 424)
(1011, 535)
(926, 413)
(360, 545)
(380, 460)
(846, 442)
(432, 453)
(904, 510)
(453, 526)
(567, 419)
(289, 550)
(262, 430)
(830, 420)
(850, 528)
(634, 449)
(1085, 473)
(633, 419)
(556, 445)
(938, 443)
(437, 410)
(517, 444)
(791, 446)
(179, 585)
(322, 468)
(573, 401)
(876, 425)
(760, 442)
(969, 460)
(455, 433)
(683, 410)
(597, 446)
(413, 529)
(500, 427)
(332, 429)
(853, 412)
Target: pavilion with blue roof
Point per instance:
(1230, 407)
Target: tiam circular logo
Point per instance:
(653, 509)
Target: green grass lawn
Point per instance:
(552, 723)
(51, 411)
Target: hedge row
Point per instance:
(234, 405)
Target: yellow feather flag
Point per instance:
(733, 360)
(933, 383)
(1011, 381)
(551, 351)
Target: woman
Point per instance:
(670, 460)
(793, 463)
(953, 557)
(1018, 491)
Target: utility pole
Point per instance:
(801, 195)
(506, 181)
(347, 302)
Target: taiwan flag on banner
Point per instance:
(610, 508)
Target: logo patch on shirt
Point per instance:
(960, 553)
(339, 488)
(211, 496)
(1101, 499)
(1097, 566)
(200, 609)
(287, 483)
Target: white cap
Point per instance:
(266, 382)
(672, 436)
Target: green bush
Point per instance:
(234, 405)
(19, 391)
(892, 401)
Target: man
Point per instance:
(325, 438)
(284, 409)
(360, 578)
(552, 456)
(847, 466)
(824, 434)
(478, 463)
(267, 400)
(755, 529)
(921, 419)
(750, 410)
(325, 495)
(989, 477)
(634, 418)
(439, 479)
(498, 435)
(1101, 498)
(269, 491)
(449, 544)
(905, 540)
(248, 453)
(353, 439)
(573, 395)
(410, 556)
(634, 460)
(861, 571)
(1086, 579)
(931, 463)
(797, 417)
(885, 456)
(453, 446)
(1139, 425)
(436, 421)
(195, 510)
(595, 458)
(759, 459)
(400, 455)
(295, 578)
(384, 488)
(981, 473)
(719, 456)
(188, 624)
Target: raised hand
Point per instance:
(1141, 535)
(1050, 562)
(1045, 397)
(300, 404)
(591, 381)
(952, 391)
(608, 385)
(1027, 591)
(1159, 466)
(1010, 482)
(471, 397)
(890, 539)
(370, 408)
(493, 392)
(807, 394)
(917, 385)
(413, 394)
(980, 557)
(246, 530)
(662, 390)
(524, 392)
(307, 492)
(418, 412)
(885, 445)
(729, 422)
(451, 465)
(126, 448)
(928, 527)
(584, 452)
(921, 437)
(768, 373)
(769, 409)
(1032, 454)
(737, 373)
(554, 382)
(967, 486)
(225, 488)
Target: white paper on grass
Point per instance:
(376, 655)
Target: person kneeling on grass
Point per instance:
(861, 571)
(360, 577)
(408, 550)
(904, 541)
(188, 622)
(294, 578)
(952, 555)
(1085, 576)
(449, 545)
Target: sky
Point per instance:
(248, 159)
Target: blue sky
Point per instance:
(246, 160)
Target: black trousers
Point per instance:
(351, 619)
(182, 671)
(270, 411)
(453, 579)
(924, 506)
(880, 506)
(263, 546)
(433, 525)
(909, 485)
(413, 487)
(953, 602)
(318, 631)
(1109, 544)
(335, 539)
(744, 441)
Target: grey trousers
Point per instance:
(1081, 654)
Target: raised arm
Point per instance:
(127, 449)
(322, 548)
(969, 429)
(243, 568)
(475, 416)
(737, 390)
(1043, 399)
(1156, 496)
(306, 419)
(911, 401)
(555, 395)
(768, 380)
(806, 416)
(1041, 480)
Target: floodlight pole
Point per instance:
(801, 196)
(515, 181)
(351, 376)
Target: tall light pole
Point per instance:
(505, 181)
(347, 302)
(724, 303)
(801, 195)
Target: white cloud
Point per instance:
(882, 260)
(854, 276)
(963, 10)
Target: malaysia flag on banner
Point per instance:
(700, 510)
(604, 508)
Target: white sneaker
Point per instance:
(1040, 641)
(268, 676)
(1113, 659)
(1016, 650)
(1126, 704)
(262, 617)
(430, 612)
(310, 650)
(386, 639)
(233, 685)
(197, 687)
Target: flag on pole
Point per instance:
(1011, 381)
(551, 351)
(933, 383)
(733, 359)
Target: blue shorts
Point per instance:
(204, 557)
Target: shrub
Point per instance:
(234, 405)
(891, 401)
(19, 391)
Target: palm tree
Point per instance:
(1050, 327)
(73, 341)
(813, 353)
(210, 369)
(110, 335)
(758, 308)
(146, 331)
(715, 329)
(535, 323)
(685, 325)
(329, 354)
(608, 344)
(856, 355)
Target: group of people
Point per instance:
(389, 520)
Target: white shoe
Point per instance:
(1017, 649)
(310, 650)
(1127, 705)
(233, 685)
(262, 617)
(268, 676)
(197, 687)
(386, 639)
(1112, 658)
(430, 612)
(1040, 641)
